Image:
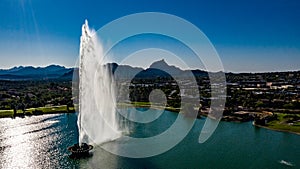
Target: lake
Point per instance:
(41, 142)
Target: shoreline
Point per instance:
(274, 129)
(148, 105)
(37, 111)
(64, 109)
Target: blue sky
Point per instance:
(249, 35)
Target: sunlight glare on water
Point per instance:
(41, 142)
(31, 142)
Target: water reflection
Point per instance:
(41, 141)
(20, 152)
(34, 142)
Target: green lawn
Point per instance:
(43, 110)
(284, 123)
(148, 104)
(6, 113)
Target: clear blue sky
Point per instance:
(249, 35)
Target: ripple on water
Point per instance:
(36, 141)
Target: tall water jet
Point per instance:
(97, 121)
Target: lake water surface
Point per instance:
(41, 142)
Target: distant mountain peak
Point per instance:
(159, 64)
(163, 65)
(54, 67)
(57, 66)
(16, 68)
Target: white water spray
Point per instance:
(97, 121)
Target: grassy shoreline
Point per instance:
(148, 105)
(276, 125)
(284, 123)
(277, 129)
(37, 111)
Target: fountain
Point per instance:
(97, 120)
(78, 150)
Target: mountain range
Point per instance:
(157, 69)
(34, 73)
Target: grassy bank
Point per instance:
(285, 122)
(37, 111)
(6, 113)
(63, 109)
(148, 105)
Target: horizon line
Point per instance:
(225, 71)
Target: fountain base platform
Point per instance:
(79, 151)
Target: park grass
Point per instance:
(42, 110)
(9, 113)
(140, 104)
(6, 113)
(53, 109)
(148, 105)
(281, 124)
